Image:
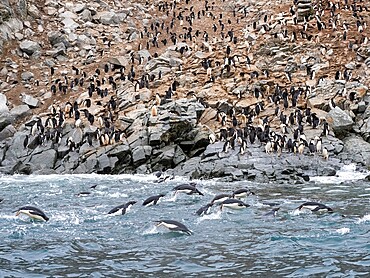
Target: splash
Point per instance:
(365, 218)
(346, 173)
(343, 231)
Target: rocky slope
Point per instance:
(144, 86)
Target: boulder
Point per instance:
(140, 154)
(119, 61)
(29, 47)
(27, 76)
(30, 100)
(357, 149)
(69, 23)
(45, 159)
(5, 119)
(107, 18)
(3, 104)
(340, 122)
(7, 132)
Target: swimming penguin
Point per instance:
(122, 209)
(273, 212)
(204, 210)
(242, 193)
(233, 204)
(153, 200)
(187, 189)
(315, 207)
(218, 199)
(83, 194)
(173, 226)
(33, 213)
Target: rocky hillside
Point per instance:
(258, 90)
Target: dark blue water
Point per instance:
(80, 240)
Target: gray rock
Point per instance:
(86, 15)
(6, 119)
(45, 159)
(107, 18)
(29, 47)
(56, 37)
(30, 101)
(119, 61)
(7, 132)
(140, 154)
(27, 76)
(340, 121)
(357, 149)
(105, 164)
(3, 104)
(69, 23)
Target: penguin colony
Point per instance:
(92, 91)
(233, 201)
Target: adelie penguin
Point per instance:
(153, 200)
(233, 204)
(204, 210)
(315, 207)
(242, 193)
(187, 189)
(218, 199)
(122, 209)
(32, 212)
(173, 226)
(272, 213)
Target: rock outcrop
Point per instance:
(255, 90)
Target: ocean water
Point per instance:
(81, 240)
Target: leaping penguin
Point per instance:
(153, 200)
(204, 210)
(242, 193)
(122, 209)
(173, 226)
(315, 207)
(187, 189)
(32, 212)
(234, 204)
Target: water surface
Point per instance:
(80, 240)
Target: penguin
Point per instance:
(233, 204)
(272, 213)
(122, 209)
(212, 138)
(83, 194)
(242, 193)
(315, 207)
(325, 153)
(154, 111)
(33, 213)
(218, 199)
(204, 210)
(173, 226)
(243, 147)
(187, 189)
(153, 200)
(226, 146)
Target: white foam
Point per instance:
(365, 218)
(299, 211)
(151, 231)
(8, 216)
(343, 231)
(212, 216)
(346, 173)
